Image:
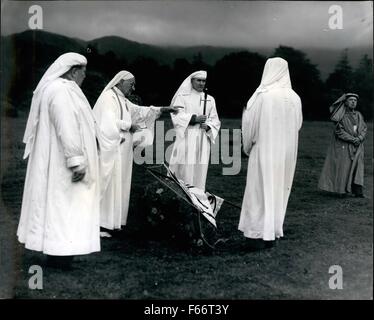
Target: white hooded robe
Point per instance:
(60, 217)
(270, 128)
(191, 150)
(115, 114)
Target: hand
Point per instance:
(356, 142)
(122, 136)
(204, 126)
(142, 139)
(171, 109)
(200, 119)
(134, 128)
(78, 174)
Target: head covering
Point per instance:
(122, 75)
(275, 75)
(62, 65)
(337, 109)
(186, 86)
(349, 95)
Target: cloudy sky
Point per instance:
(186, 23)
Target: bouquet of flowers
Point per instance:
(168, 217)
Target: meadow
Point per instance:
(321, 230)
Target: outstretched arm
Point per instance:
(171, 109)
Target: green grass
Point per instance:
(320, 230)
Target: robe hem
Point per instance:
(60, 252)
(259, 235)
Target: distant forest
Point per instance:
(231, 79)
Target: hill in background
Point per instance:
(129, 50)
(26, 55)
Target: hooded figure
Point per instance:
(343, 170)
(195, 130)
(119, 119)
(60, 205)
(270, 128)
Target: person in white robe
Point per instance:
(119, 119)
(195, 130)
(60, 205)
(270, 129)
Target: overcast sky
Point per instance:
(186, 23)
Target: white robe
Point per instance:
(270, 137)
(59, 217)
(191, 150)
(116, 159)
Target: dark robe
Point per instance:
(344, 164)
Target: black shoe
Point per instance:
(269, 244)
(358, 190)
(259, 244)
(255, 244)
(59, 262)
(359, 195)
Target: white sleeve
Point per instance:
(143, 114)
(181, 119)
(66, 120)
(106, 114)
(250, 125)
(213, 121)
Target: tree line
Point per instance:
(231, 80)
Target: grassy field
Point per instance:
(321, 230)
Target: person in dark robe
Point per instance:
(343, 170)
